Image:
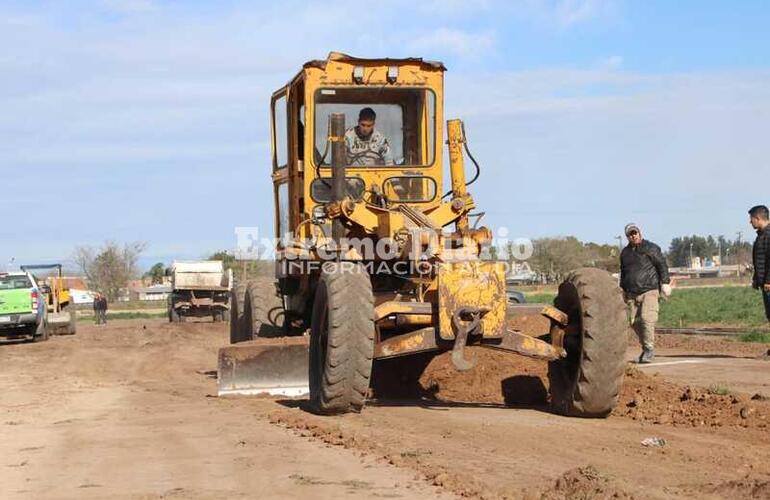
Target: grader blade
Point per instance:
(276, 368)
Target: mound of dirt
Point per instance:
(505, 379)
(497, 378)
(711, 345)
(739, 488)
(650, 399)
(584, 483)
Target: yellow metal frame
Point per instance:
(462, 280)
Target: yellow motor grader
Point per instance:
(376, 261)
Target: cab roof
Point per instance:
(340, 57)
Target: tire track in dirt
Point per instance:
(122, 412)
(648, 405)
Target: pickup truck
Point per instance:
(23, 310)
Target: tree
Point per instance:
(156, 273)
(733, 252)
(244, 269)
(109, 268)
(228, 260)
(555, 257)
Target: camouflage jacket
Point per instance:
(374, 150)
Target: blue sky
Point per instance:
(147, 120)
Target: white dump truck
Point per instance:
(199, 289)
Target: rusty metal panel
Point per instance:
(478, 284)
(525, 345)
(385, 309)
(421, 340)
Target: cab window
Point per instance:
(403, 132)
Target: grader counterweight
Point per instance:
(374, 262)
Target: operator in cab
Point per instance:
(365, 145)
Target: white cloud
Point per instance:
(571, 12)
(612, 62)
(130, 6)
(592, 148)
(567, 14)
(116, 113)
(453, 41)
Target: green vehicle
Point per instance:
(23, 310)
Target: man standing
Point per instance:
(103, 308)
(643, 277)
(365, 145)
(96, 308)
(100, 309)
(759, 217)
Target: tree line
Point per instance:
(553, 258)
(683, 248)
(109, 268)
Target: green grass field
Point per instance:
(725, 306)
(739, 307)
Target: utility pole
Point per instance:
(691, 262)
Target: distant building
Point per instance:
(521, 274)
(151, 293)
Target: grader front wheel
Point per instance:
(342, 340)
(587, 382)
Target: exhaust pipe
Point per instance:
(339, 158)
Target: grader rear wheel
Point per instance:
(238, 331)
(342, 340)
(587, 382)
(263, 310)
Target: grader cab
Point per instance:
(377, 259)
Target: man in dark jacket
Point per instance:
(643, 277)
(759, 217)
(100, 309)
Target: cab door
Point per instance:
(279, 145)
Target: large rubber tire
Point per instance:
(342, 340)
(216, 316)
(238, 331)
(40, 332)
(263, 310)
(174, 316)
(587, 382)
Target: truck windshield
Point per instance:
(384, 127)
(14, 282)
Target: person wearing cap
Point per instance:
(643, 278)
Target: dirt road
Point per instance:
(127, 411)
